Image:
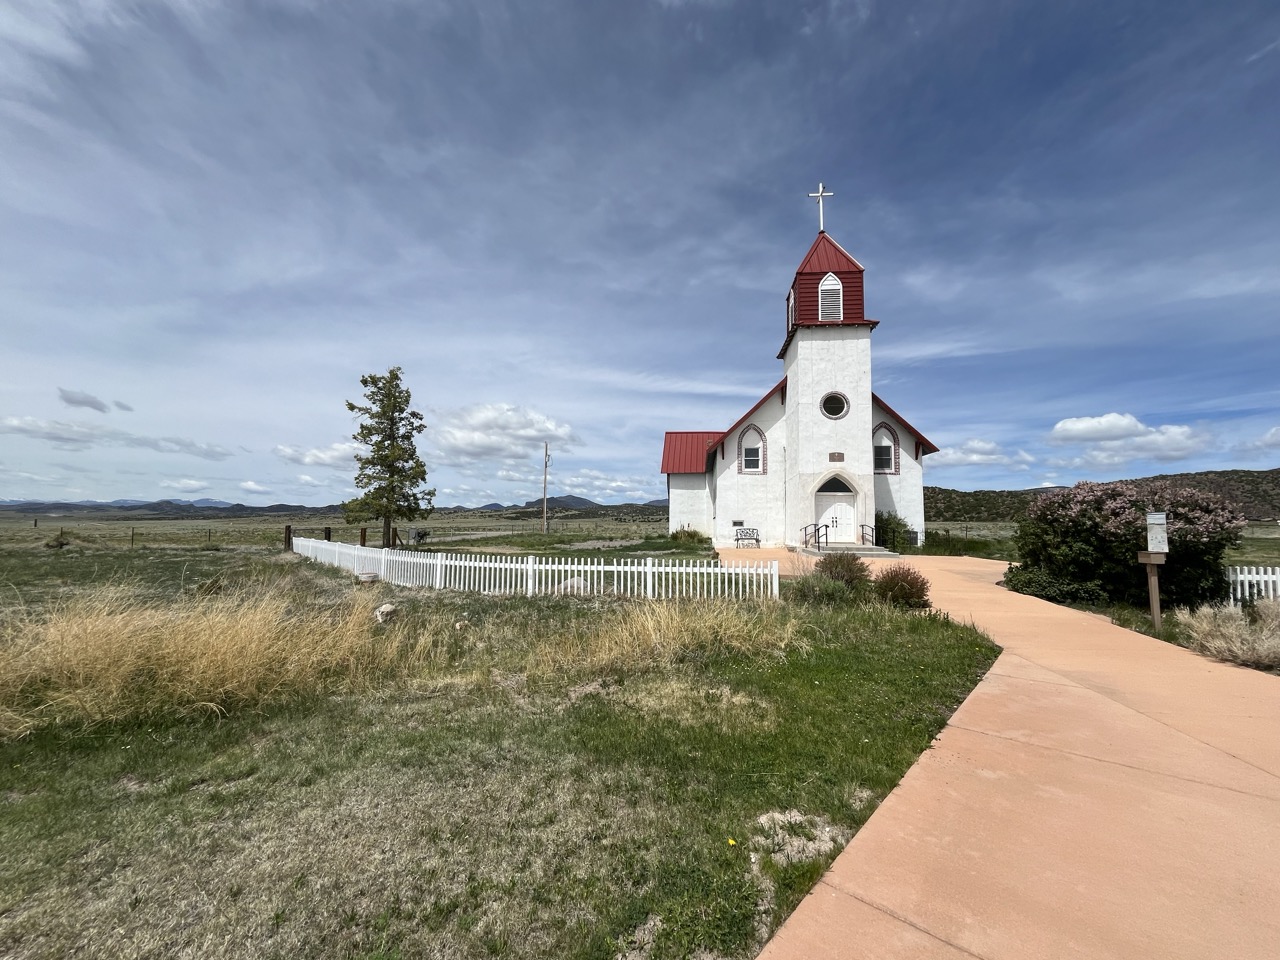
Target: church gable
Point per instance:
(908, 439)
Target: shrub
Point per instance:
(821, 591)
(1250, 638)
(846, 568)
(894, 532)
(1036, 582)
(903, 586)
(1090, 535)
(685, 535)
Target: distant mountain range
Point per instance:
(212, 509)
(121, 503)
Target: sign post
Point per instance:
(1153, 557)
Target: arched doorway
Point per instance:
(833, 505)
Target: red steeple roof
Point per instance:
(826, 256)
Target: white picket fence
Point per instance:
(1254, 583)
(650, 577)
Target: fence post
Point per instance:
(382, 566)
(288, 536)
(773, 579)
(328, 533)
(364, 535)
(648, 577)
(529, 573)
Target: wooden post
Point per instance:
(131, 532)
(364, 536)
(35, 522)
(288, 536)
(1153, 561)
(328, 533)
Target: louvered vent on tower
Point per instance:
(830, 300)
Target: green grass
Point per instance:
(490, 820)
(480, 808)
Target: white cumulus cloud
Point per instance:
(250, 487)
(1116, 438)
(498, 431)
(1109, 426)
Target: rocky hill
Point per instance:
(1256, 493)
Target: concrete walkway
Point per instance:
(1100, 794)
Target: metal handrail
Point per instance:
(868, 534)
(817, 534)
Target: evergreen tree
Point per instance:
(391, 474)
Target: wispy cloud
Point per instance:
(1271, 439)
(978, 452)
(185, 486)
(82, 436)
(336, 455)
(76, 398)
(121, 405)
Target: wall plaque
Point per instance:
(835, 457)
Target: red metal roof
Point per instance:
(926, 445)
(827, 256)
(686, 451)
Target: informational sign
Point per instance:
(1157, 533)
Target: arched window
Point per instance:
(885, 448)
(835, 485)
(752, 451)
(830, 300)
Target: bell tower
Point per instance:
(826, 357)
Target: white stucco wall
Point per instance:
(755, 499)
(689, 503)
(902, 493)
(822, 360)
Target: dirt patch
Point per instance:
(793, 837)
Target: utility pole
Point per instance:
(546, 462)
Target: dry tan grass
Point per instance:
(113, 653)
(662, 633)
(1227, 633)
(109, 654)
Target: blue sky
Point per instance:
(575, 222)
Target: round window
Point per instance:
(835, 405)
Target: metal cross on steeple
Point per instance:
(818, 196)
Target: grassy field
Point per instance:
(189, 772)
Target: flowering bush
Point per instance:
(1091, 534)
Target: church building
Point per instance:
(820, 452)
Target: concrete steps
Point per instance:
(857, 549)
